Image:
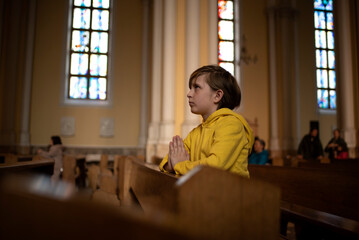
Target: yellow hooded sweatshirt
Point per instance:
(224, 141)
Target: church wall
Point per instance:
(254, 80)
(308, 103)
(46, 110)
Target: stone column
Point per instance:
(153, 131)
(169, 77)
(26, 96)
(287, 19)
(10, 64)
(192, 58)
(274, 135)
(346, 76)
(144, 74)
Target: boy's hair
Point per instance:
(56, 140)
(219, 78)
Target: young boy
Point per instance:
(224, 139)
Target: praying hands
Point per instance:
(177, 153)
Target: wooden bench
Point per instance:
(206, 202)
(25, 164)
(35, 208)
(326, 200)
(349, 165)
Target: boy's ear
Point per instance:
(218, 96)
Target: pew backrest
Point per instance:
(328, 190)
(208, 202)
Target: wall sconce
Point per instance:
(245, 57)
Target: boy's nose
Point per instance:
(189, 94)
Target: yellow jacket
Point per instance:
(224, 141)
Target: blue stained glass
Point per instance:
(318, 4)
(80, 41)
(81, 18)
(329, 5)
(330, 35)
(322, 98)
(319, 19)
(225, 10)
(330, 23)
(78, 87)
(321, 57)
(228, 66)
(226, 51)
(99, 42)
(332, 79)
(320, 39)
(100, 19)
(225, 30)
(322, 77)
(98, 65)
(333, 99)
(79, 64)
(82, 3)
(331, 59)
(97, 88)
(325, 4)
(101, 3)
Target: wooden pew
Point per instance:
(349, 165)
(206, 202)
(25, 164)
(324, 199)
(35, 208)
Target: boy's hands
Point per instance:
(177, 152)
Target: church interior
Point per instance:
(297, 70)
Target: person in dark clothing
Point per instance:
(336, 147)
(310, 147)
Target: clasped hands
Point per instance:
(177, 153)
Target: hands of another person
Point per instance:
(39, 150)
(177, 152)
(333, 145)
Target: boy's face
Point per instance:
(201, 98)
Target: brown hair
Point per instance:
(219, 78)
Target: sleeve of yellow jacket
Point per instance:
(229, 139)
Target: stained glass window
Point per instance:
(88, 76)
(226, 39)
(325, 55)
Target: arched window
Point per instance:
(325, 55)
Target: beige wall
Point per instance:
(255, 82)
(46, 110)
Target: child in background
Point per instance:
(55, 152)
(224, 139)
(259, 155)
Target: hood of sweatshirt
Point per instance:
(228, 112)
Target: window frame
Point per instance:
(235, 41)
(328, 110)
(65, 78)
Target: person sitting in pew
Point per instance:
(55, 152)
(259, 155)
(310, 148)
(224, 139)
(337, 147)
